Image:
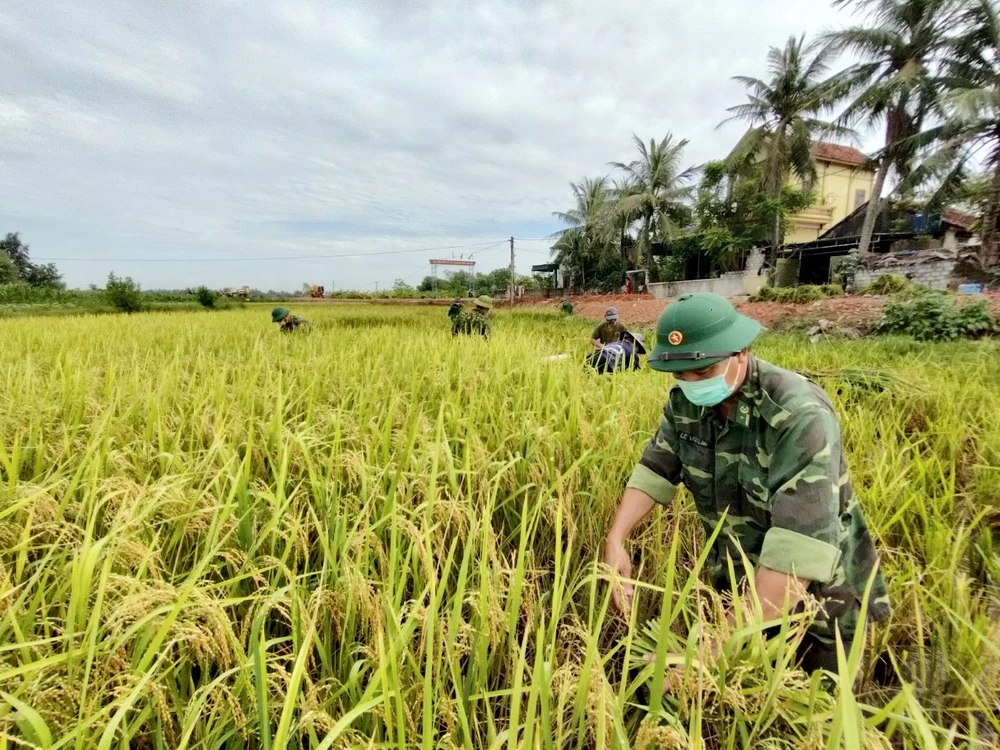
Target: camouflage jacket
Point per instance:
(471, 322)
(454, 311)
(567, 308)
(776, 469)
(294, 323)
(609, 331)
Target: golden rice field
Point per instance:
(371, 535)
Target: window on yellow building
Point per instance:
(859, 198)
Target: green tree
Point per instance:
(44, 276)
(8, 271)
(896, 84)
(589, 236)
(971, 127)
(656, 193)
(622, 220)
(124, 293)
(18, 253)
(461, 283)
(570, 252)
(783, 112)
(973, 193)
(732, 214)
(586, 248)
(589, 213)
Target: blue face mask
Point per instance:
(707, 392)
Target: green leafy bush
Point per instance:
(934, 316)
(807, 293)
(977, 320)
(124, 294)
(206, 297)
(796, 294)
(891, 283)
(769, 294)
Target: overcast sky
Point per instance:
(205, 129)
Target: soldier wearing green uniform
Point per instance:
(455, 310)
(475, 321)
(609, 331)
(760, 446)
(288, 321)
(567, 306)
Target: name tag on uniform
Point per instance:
(692, 439)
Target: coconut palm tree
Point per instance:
(591, 197)
(620, 220)
(656, 192)
(783, 112)
(570, 251)
(589, 237)
(972, 103)
(896, 83)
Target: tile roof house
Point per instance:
(844, 181)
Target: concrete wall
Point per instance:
(837, 187)
(728, 285)
(936, 275)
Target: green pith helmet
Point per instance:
(699, 330)
(278, 313)
(484, 302)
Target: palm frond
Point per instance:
(864, 41)
(752, 84)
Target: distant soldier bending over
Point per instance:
(288, 321)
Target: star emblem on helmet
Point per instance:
(675, 337)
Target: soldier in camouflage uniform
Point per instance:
(761, 446)
(567, 306)
(455, 309)
(288, 321)
(609, 331)
(476, 321)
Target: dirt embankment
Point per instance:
(642, 309)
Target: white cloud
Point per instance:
(228, 129)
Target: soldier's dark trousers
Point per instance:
(813, 654)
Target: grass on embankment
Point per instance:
(19, 300)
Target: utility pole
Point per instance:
(512, 273)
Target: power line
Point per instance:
(491, 243)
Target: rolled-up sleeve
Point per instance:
(805, 479)
(659, 469)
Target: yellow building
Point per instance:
(843, 184)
